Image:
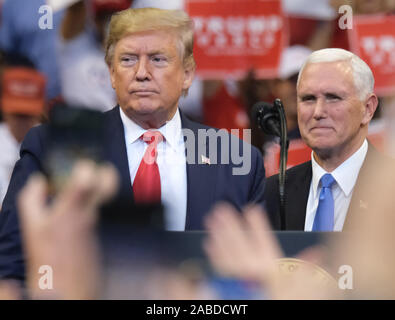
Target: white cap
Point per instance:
(292, 59)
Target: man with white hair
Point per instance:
(335, 103)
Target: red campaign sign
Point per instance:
(233, 36)
(372, 38)
(298, 153)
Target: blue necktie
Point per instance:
(324, 217)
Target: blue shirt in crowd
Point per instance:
(20, 33)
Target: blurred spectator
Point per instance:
(20, 33)
(169, 4)
(223, 106)
(83, 72)
(282, 87)
(2, 65)
(328, 34)
(366, 6)
(304, 16)
(22, 102)
(316, 24)
(192, 104)
(12, 59)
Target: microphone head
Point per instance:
(267, 118)
(260, 108)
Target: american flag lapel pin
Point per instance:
(205, 160)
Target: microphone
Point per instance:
(267, 118)
(271, 119)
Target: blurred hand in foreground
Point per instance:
(243, 247)
(61, 234)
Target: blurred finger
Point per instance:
(79, 188)
(32, 202)
(106, 185)
(262, 234)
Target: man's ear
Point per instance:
(189, 75)
(370, 107)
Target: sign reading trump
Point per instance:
(373, 39)
(234, 36)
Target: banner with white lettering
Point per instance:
(234, 36)
(373, 39)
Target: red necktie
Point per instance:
(146, 185)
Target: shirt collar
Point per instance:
(171, 130)
(345, 175)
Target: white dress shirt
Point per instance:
(345, 177)
(171, 162)
(9, 154)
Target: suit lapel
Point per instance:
(201, 176)
(115, 151)
(296, 197)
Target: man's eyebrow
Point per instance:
(332, 94)
(158, 51)
(161, 52)
(127, 51)
(337, 93)
(151, 53)
(304, 96)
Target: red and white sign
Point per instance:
(298, 153)
(372, 38)
(233, 36)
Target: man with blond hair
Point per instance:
(161, 156)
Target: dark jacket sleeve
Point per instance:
(265, 190)
(11, 256)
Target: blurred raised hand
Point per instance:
(242, 246)
(61, 234)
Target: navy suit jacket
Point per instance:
(206, 184)
(297, 188)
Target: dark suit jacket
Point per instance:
(297, 187)
(206, 184)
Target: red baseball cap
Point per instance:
(23, 91)
(100, 6)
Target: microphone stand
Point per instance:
(284, 144)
